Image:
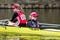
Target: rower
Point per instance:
(18, 18)
(32, 22)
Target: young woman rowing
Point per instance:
(32, 22)
(18, 18)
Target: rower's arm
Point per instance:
(29, 24)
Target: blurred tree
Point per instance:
(15, 1)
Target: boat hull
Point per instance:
(27, 31)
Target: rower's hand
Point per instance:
(21, 6)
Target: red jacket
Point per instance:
(21, 17)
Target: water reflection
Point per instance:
(45, 15)
(29, 38)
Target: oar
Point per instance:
(3, 23)
(50, 26)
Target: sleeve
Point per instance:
(31, 24)
(14, 17)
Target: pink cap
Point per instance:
(15, 6)
(34, 14)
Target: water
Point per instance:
(28, 38)
(44, 15)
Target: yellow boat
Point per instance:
(27, 31)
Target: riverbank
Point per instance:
(32, 6)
